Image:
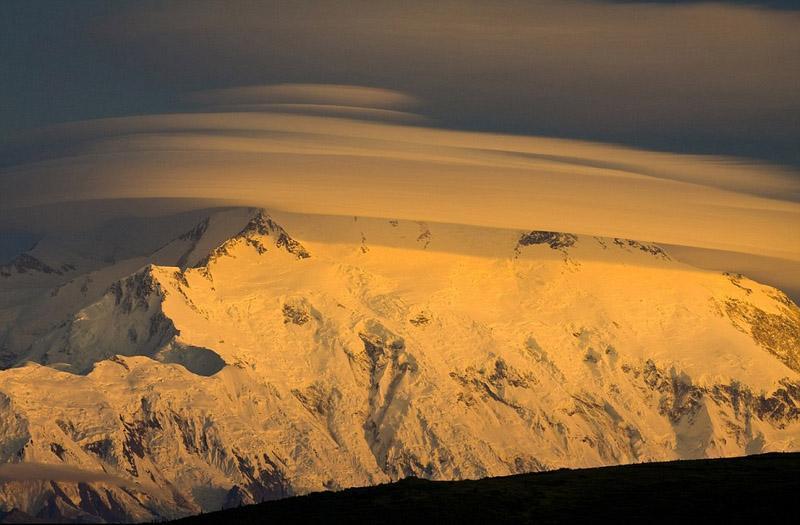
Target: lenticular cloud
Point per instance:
(344, 150)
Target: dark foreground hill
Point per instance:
(763, 488)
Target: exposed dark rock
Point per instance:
(780, 407)
(181, 278)
(386, 363)
(535, 351)
(318, 400)
(736, 280)
(52, 511)
(266, 482)
(25, 263)
(290, 245)
(492, 383)
(104, 448)
(652, 249)
(555, 240)
(591, 356)
(783, 405)
(134, 292)
(419, 320)
(161, 329)
(677, 397)
(58, 450)
(511, 376)
(779, 334)
(425, 236)
(193, 236)
(380, 351)
(196, 233)
(295, 314)
(236, 497)
(524, 465)
(136, 435)
(781, 298)
(107, 508)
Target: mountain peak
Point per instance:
(437, 353)
(253, 234)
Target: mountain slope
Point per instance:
(263, 355)
(756, 488)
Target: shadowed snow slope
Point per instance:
(248, 360)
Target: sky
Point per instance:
(715, 78)
(673, 121)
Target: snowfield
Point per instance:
(259, 355)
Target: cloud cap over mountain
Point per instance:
(325, 164)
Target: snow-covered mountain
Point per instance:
(260, 355)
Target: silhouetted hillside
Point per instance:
(762, 488)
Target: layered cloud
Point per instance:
(688, 76)
(326, 164)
